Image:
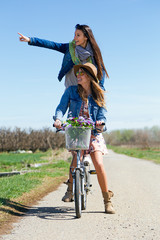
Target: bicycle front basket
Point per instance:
(77, 138)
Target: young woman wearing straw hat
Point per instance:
(87, 100)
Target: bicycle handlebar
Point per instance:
(60, 129)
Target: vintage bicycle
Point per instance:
(78, 139)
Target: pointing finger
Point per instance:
(20, 34)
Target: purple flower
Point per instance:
(79, 122)
(68, 126)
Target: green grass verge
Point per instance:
(17, 161)
(14, 186)
(150, 154)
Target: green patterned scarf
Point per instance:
(75, 58)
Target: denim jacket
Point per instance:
(73, 101)
(67, 63)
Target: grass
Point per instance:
(19, 192)
(17, 161)
(14, 186)
(152, 154)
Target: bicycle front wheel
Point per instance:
(77, 193)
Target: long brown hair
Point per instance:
(96, 91)
(96, 50)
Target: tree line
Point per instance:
(143, 138)
(13, 140)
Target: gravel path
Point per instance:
(136, 184)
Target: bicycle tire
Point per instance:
(84, 196)
(77, 193)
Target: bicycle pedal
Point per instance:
(92, 172)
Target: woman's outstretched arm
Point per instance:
(60, 47)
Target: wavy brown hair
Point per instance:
(96, 91)
(96, 50)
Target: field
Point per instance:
(152, 154)
(18, 192)
(47, 167)
(16, 161)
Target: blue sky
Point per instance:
(128, 34)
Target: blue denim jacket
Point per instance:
(73, 101)
(67, 63)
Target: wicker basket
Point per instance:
(77, 138)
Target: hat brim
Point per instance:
(77, 67)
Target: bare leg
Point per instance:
(68, 197)
(73, 165)
(97, 159)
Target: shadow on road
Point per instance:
(13, 208)
(49, 213)
(53, 213)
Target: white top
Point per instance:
(70, 79)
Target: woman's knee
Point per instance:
(99, 167)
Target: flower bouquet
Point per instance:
(78, 132)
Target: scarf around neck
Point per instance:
(81, 55)
(84, 53)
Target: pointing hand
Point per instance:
(23, 38)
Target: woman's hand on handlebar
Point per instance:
(99, 126)
(57, 124)
(23, 38)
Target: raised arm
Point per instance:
(60, 47)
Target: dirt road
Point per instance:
(136, 184)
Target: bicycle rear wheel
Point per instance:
(77, 193)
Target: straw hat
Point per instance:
(91, 69)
